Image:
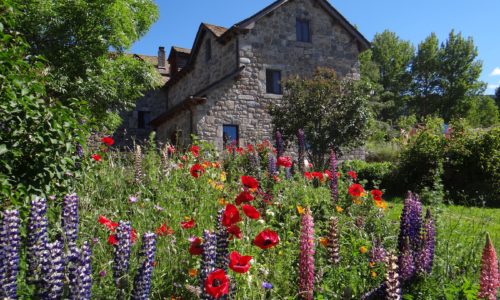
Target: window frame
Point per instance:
(300, 26)
(237, 127)
(142, 121)
(273, 87)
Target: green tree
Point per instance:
(393, 57)
(75, 37)
(39, 134)
(331, 111)
(497, 96)
(483, 112)
(459, 76)
(425, 73)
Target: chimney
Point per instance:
(161, 57)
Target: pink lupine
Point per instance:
(306, 260)
(490, 278)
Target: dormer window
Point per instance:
(208, 50)
(303, 31)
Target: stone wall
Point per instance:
(272, 44)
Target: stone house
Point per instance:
(220, 89)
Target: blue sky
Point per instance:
(411, 20)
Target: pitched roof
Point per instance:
(215, 29)
(182, 50)
(152, 59)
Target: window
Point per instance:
(230, 135)
(208, 50)
(302, 29)
(273, 81)
(143, 118)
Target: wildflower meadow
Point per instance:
(161, 223)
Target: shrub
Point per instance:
(374, 173)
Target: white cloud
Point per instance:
(492, 87)
(495, 72)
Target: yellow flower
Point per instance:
(323, 241)
(381, 204)
(223, 176)
(356, 200)
(339, 209)
(373, 274)
(187, 218)
(192, 272)
(300, 209)
(362, 249)
(372, 264)
(221, 201)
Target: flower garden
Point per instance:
(250, 224)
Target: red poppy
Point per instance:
(308, 175)
(328, 174)
(195, 150)
(133, 236)
(243, 197)
(195, 248)
(217, 284)
(108, 223)
(188, 224)
(231, 215)
(266, 239)
(112, 240)
(235, 231)
(239, 263)
(377, 195)
(249, 147)
(197, 170)
(352, 174)
(240, 150)
(108, 140)
(250, 212)
(249, 182)
(317, 175)
(338, 174)
(96, 157)
(356, 190)
(163, 230)
(284, 161)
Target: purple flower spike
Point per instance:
(280, 148)
(70, 222)
(272, 165)
(208, 259)
(53, 265)
(406, 262)
(411, 222)
(222, 252)
(9, 254)
(425, 256)
(334, 190)
(80, 274)
(377, 253)
(142, 281)
(37, 237)
(122, 256)
(306, 259)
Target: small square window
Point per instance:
(303, 31)
(273, 82)
(230, 135)
(143, 118)
(208, 50)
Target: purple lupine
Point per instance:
(490, 277)
(255, 162)
(377, 252)
(302, 149)
(70, 222)
(9, 254)
(53, 265)
(80, 281)
(406, 262)
(122, 257)
(37, 237)
(392, 285)
(306, 259)
(288, 173)
(272, 165)
(208, 257)
(425, 256)
(334, 184)
(411, 222)
(222, 236)
(280, 148)
(142, 281)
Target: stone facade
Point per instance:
(230, 87)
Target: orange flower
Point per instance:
(373, 274)
(323, 241)
(300, 209)
(362, 249)
(381, 204)
(221, 201)
(192, 272)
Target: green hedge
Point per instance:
(373, 174)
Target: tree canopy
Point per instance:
(331, 111)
